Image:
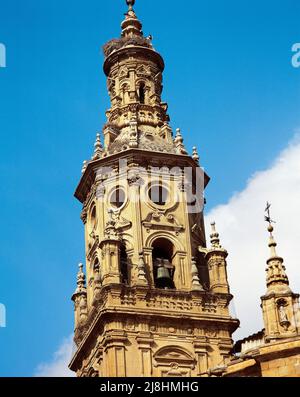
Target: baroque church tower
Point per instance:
(275, 350)
(280, 305)
(155, 299)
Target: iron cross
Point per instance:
(268, 216)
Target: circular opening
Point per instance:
(158, 194)
(117, 198)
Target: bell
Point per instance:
(162, 273)
(163, 279)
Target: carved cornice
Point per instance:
(160, 220)
(137, 52)
(137, 109)
(117, 44)
(138, 156)
(161, 226)
(199, 306)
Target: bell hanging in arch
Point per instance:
(163, 279)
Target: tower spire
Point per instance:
(131, 26)
(279, 304)
(276, 274)
(80, 280)
(98, 149)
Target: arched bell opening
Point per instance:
(202, 270)
(123, 264)
(163, 268)
(141, 93)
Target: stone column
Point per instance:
(100, 193)
(145, 342)
(134, 182)
(110, 248)
(115, 354)
(201, 357)
(149, 265)
(216, 259)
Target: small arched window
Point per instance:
(142, 93)
(93, 218)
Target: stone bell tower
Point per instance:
(154, 300)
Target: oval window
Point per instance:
(158, 194)
(117, 198)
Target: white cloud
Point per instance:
(58, 366)
(243, 233)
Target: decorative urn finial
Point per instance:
(195, 155)
(215, 238)
(98, 151)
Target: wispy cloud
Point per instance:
(243, 233)
(58, 365)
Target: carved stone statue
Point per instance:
(282, 315)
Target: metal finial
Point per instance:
(130, 4)
(272, 242)
(268, 216)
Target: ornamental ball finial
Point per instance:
(270, 228)
(130, 3)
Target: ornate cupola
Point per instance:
(156, 299)
(137, 117)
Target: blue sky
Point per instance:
(230, 88)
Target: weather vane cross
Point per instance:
(268, 216)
